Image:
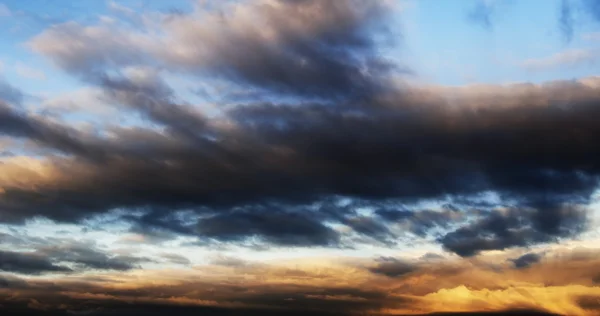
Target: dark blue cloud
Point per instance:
(10, 94)
(526, 260)
(566, 20)
(28, 263)
(481, 14)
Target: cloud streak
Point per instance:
(567, 58)
(29, 263)
(306, 53)
(336, 289)
(566, 23)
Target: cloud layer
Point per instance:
(270, 169)
(302, 134)
(560, 284)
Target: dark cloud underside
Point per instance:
(392, 267)
(526, 260)
(28, 263)
(258, 169)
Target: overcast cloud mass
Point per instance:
(270, 157)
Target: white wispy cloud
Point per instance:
(4, 10)
(593, 36)
(29, 72)
(570, 58)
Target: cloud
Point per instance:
(58, 254)
(87, 257)
(85, 100)
(502, 229)
(526, 260)
(322, 288)
(566, 22)
(315, 144)
(307, 53)
(175, 258)
(589, 303)
(482, 13)
(326, 149)
(420, 222)
(592, 8)
(29, 72)
(229, 262)
(591, 36)
(114, 6)
(334, 125)
(278, 227)
(4, 11)
(263, 155)
(520, 297)
(77, 49)
(567, 58)
(10, 94)
(392, 267)
(28, 263)
(20, 124)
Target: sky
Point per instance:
(287, 157)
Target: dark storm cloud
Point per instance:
(337, 59)
(54, 135)
(526, 260)
(87, 257)
(299, 155)
(10, 239)
(27, 263)
(378, 143)
(371, 227)
(500, 230)
(55, 253)
(393, 267)
(420, 222)
(283, 228)
(320, 48)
